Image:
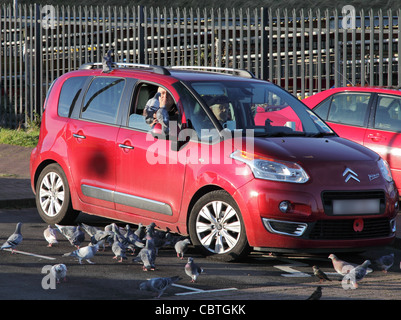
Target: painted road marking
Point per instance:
(195, 290)
(31, 254)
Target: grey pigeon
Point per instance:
(181, 247)
(97, 236)
(84, 253)
(147, 255)
(14, 240)
(192, 269)
(140, 232)
(317, 294)
(74, 234)
(385, 262)
(59, 271)
(50, 236)
(357, 274)
(320, 274)
(118, 249)
(158, 285)
(107, 62)
(133, 240)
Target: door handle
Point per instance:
(124, 146)
(375, 137)
(78, 136)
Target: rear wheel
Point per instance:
(217, 228)
(53, 199)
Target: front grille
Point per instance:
(344, 229)
(329, 196)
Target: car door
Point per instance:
(92, 133)
(347, 114)
(149, 174)
(384, 132)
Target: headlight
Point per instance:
(385, 170)
(272, 169)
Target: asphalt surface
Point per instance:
(258, 278)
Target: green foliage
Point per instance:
(20, 137)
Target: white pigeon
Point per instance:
(181, 247)
(357, 274)
(50, 236)
(14, 240)
(84, 253)
(192, 269)
(385, 262)
(59, 271)
(342, 267)
(158, 285)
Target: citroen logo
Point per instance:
(350, 175)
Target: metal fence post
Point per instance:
(141, 35)
(264, 44)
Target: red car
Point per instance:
(239, 164)
(370, 116)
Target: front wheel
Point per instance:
(53, 199)
(217, 228)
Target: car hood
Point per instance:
(326, 160)
(312, 149)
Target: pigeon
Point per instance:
(97, 236)
(50, 236)
(74, 234)
(385, 262)
(147, 255)
(342, 267)
(14, 240)
(320, 274)
(140, 232)
(181, 247)
(59, 271)
(192, 269)
(84, 253)
(317, 294)
(158, 285)
(118, 249)
(107, 62)
(357, 274)
(133, 240)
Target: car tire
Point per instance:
(216, 227)
(53, 199)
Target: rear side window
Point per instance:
(69, 94)
(102, 99)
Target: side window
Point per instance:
(323, 109)
(69, 94)
(388, 113)
(103, 99)
(349, 108)
(137, 118)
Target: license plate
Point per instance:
(356, 206)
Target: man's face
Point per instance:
(165, 98)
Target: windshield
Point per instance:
(261, 106)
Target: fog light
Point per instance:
(393, 226)
(284, 206)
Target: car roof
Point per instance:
(315, 99)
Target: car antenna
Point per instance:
(107, 62)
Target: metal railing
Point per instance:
(304, 51)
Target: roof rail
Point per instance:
(240, 72)
(155, 69)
